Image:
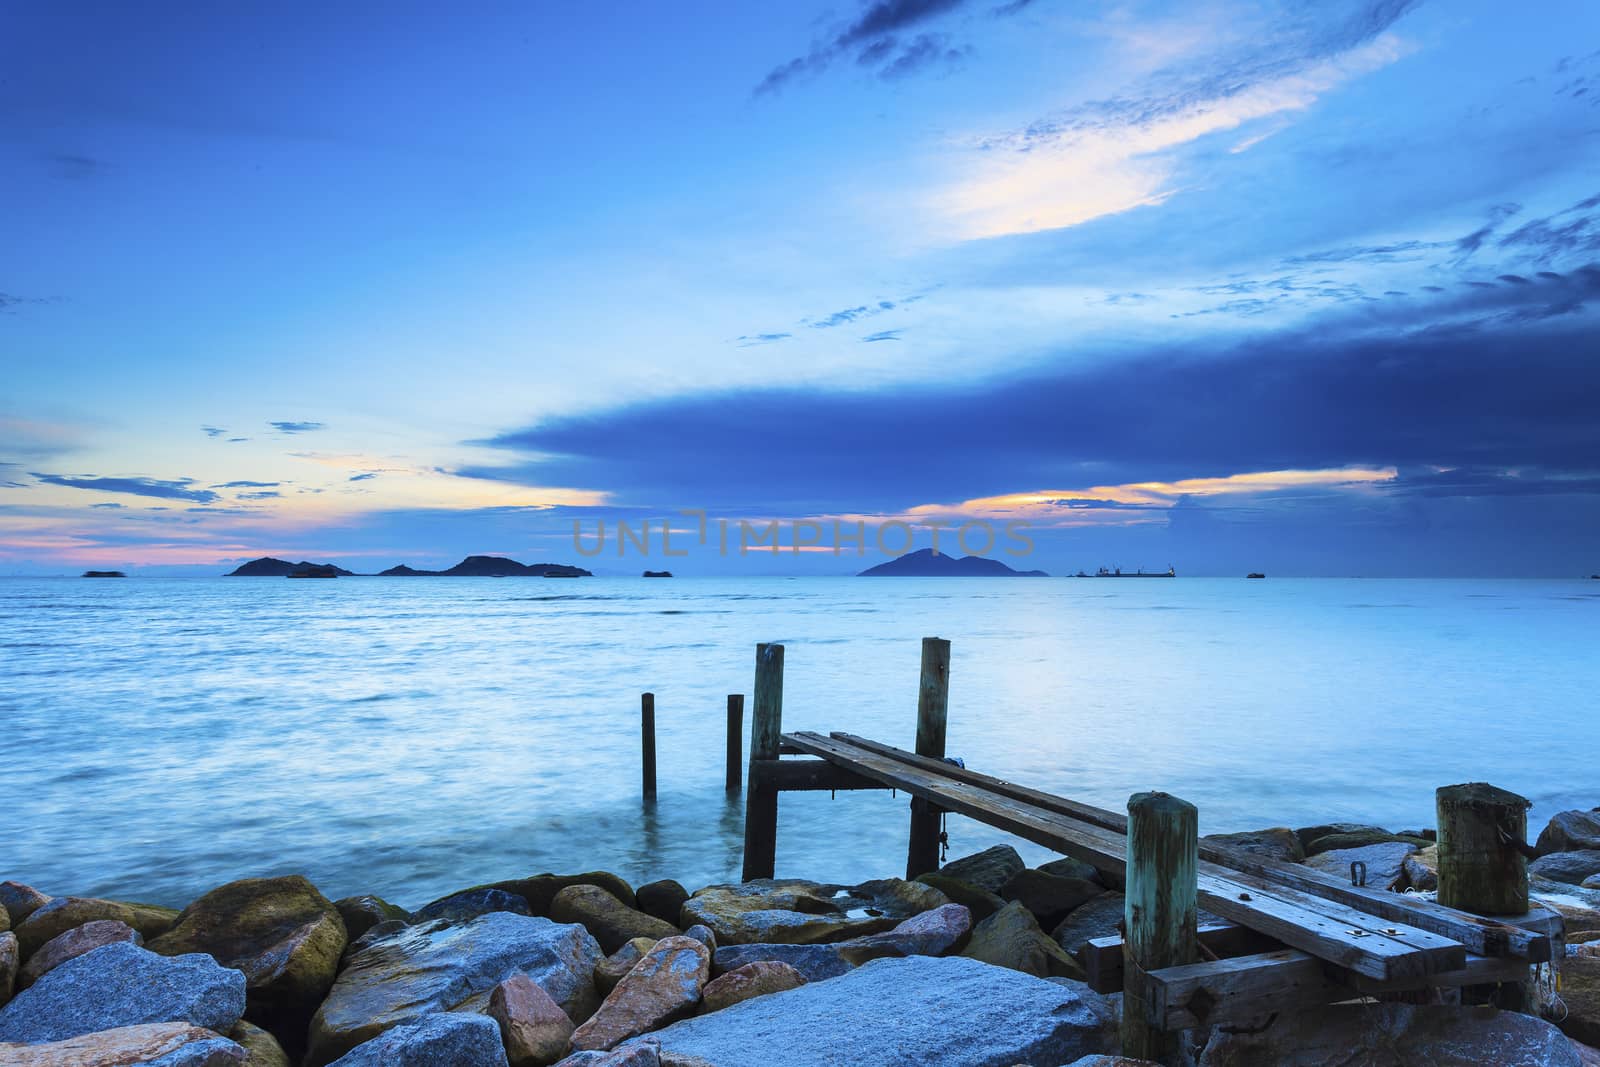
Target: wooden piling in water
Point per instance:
(761, 796)
(735, 742)
(647, 731)
(1158, 912)
(933, 709)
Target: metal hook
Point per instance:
(1358, 873)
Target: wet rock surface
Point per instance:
(794, 911)
(663, 986)
(612, 922)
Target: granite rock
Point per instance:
(793, 911)
(20, 901)
(72, 944)
(362, 913)
(612, 922)
(1571, 867)
(665, 985)
(609, 971)
(1385, 862)
(1050, 897)
(141, 1045)
(752, 980)
(664, 899)
(63, 913)
(1011, 938)
(988, 870)
(439, 1040)
(980, 902)
(1580, 992)
(1273, 843)
(1101, 917)
(534, 1029)
(469, 904)
(10, 959)
(1570, 831)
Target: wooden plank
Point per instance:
(1484, 937)
(1293, 918)
(1102, 956)
(808, 775)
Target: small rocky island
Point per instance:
(976, 964)
(471, 567)
(104, 574)
(269, 567)
(926, 563)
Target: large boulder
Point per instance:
(1385, 862)
(438, 1040)
(752, 980)
(469, 904)
(980, 902)
(662, 987)
(1346, 833)
(151, 1044)
(61, 914)
(797, 912)
(1273, 843)
(20, 901)
(534, 1029)
(609, 971)
(815, 963)
(124, 985)
(1579, 907)
(920, 1011)
(1580, 991)
(10, 960)
(1570, 831)
(440, 967)
(1050, 897)
(541, 889)
(362, 913)
(612, 922)
(1011, 938)
(644, 1053)
(72, 944)
(1101, 917)
(988, 870)
(1422, 868)
(933, 933)
(664, 899)
(1570, 867)
(1395, 1035)
(283, 934)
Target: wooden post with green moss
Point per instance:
(933, 711)
(1483, 864)
(1158, 911)
(761, 796)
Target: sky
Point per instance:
(1308, 288)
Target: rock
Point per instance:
(63, 913)
(72, 944)
(1051, 897)
(662, 987)
(153, 1044)
(362, 913)
(1569, 831)
(541, 889)
(1579, 907)
(1395, 1035)
(124, 985)
(1422, 868)
(380, 932)
(752, 980)
(987, 870)
(1273, 843)
(793, 911)
(1580, 991)
(20, 901)
(1111, 1061)
(980, 902)
(1310, 835)
(1385, 862)
(1570, 867)
(920, 1011)
(1067, 867)
(439, 967)
(1011, 938)
(282, 933)
(1361, 840)
(439, 1040)
(1588, 1056)
(663, 899)
(702, 934)
(1101, 917)
(470, 904)
(261, 1049)
(644, 1054)
(1591, 882)
(612, 922)
(5, 920)
(9, 958)
(534, 1029)
(815, 963)
(609, 971)
(933, 933)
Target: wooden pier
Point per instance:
(1291, 937)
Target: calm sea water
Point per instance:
(408, 737)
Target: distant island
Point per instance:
(267, 567)
(658, 574)
(471, 567)
(104, 574)
(926, 563)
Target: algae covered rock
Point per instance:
(61, 914)
(156, 1044)
(664, 899)
(662, 987)
(439, 1040)
(1011, 938)
(261, 1049)
(988, 870)
(124, 985)
(794, 911)
(1050, 897)
(283, 934)
(612, 922)
(439, 967)
(1273, 843)
(20, 901)
(1101, 917)
(362, 913)
(10, 961)
(932, 933)
(72, 944)
(541, 889)
(1580, 992)
(980, 902)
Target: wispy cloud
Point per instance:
(178, 489)
(884, 335)
(213, 431)
(297, 427)
(246, 485)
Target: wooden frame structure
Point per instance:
(1291, 936)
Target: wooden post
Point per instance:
(1158, 912)
(647, 732)
(1483, 865)
(761, 798)
(933, 707)
(735, 741)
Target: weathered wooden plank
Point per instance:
(1102, 956)
(1294, 918)
(1526, 939)
(809, 775)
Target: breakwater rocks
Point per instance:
(973, 966)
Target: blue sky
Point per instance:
(1301, 287)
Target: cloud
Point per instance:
(749, 340)
(297, 427)
(110, 506)
(246, 485)
(265, 494)
(213, 431)
(168, 490)
(364, 476)
(10, 302)
(875, 40)
(1109, 156)
(884, 335)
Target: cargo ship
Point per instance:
(1170, 572)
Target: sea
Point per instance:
(410, 737)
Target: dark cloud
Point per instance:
(884, 335)
(109, 507)
(247, 485)
(168, 490)
(924, 51)
(297, 427)
(849, 315)
(364, 476)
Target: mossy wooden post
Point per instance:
(735, 742)
(933, 709)
(761, 798)
(647, 738)
(1483, 865)
(1158, 911)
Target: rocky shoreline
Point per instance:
(972, 966)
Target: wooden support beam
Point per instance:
(761, 800)
(1158, 912)
(735, 742)
(933, 708)
(808, 775)
(647, 731)
(1102, 956)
